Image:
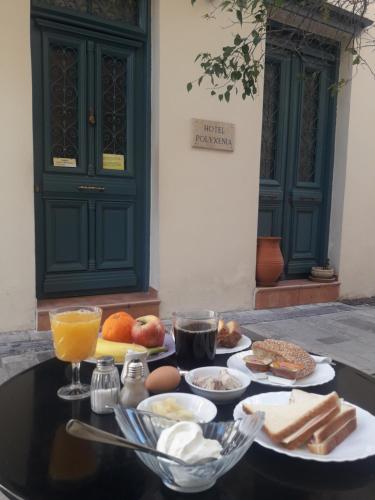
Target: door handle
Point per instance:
(91, 188)
(91, 118)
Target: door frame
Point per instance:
(284, 150)
(84, 24)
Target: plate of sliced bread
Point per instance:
(280, 363)
(312, 426)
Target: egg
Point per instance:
(163, 379)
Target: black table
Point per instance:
(38, 460)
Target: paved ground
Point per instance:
(342, 331)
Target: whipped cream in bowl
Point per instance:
(185, 440)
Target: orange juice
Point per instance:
(75, 334)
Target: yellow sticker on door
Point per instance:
(113, 162)
(64, 162)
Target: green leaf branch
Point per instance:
(235, 68)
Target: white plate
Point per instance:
(203, 409)
(359, 444)
(218, 397)
(323, 373)
(168, 343)
(244, 343)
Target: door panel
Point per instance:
(115, 226)
(115, 95)
(296, 143)
(66, 235)
(273, 151)
(65, 80)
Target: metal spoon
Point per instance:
(81, 430)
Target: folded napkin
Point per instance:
(280, 380)
(272, 378)
(322, 359)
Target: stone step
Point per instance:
(295, 293)
(137, 304)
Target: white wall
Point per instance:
(353, 239)
(207, 200)
(17, 269)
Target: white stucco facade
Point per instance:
(204, 204)
(17, 249)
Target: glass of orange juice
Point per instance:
(75, 333)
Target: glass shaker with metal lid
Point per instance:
(134, 390)
(105, 385)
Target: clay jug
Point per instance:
(270, 262)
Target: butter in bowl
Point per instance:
(218, 384)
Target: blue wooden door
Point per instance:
(296, 156)
(90, 109)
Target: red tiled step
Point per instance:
(137, 304)
(295, 293)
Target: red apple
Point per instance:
(148, 331)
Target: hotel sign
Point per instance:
(213, 135)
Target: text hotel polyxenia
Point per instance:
(213, 135)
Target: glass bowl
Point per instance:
(235, 437)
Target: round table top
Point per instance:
(38, 460)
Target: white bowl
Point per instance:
(219, 397)
(202, 409)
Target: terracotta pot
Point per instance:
(270, 262)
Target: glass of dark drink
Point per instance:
(195, 335)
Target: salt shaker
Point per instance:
(134, 390)
(105, 385)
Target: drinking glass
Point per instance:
(75, 333)
(195, 334)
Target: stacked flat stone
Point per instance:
(279, 350)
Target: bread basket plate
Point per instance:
(243, 343)
(323, 373)
(359, 444)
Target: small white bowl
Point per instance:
(202, 409)
(219, 397)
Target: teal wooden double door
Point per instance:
(297, 152)
(91, 177)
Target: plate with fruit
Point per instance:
(122, 333)
(230, 339)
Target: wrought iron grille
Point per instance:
(63, 73)
(270, 120)
(114, 104)
(126, 11)
(78, 5)
(116, 10)
(309, 126)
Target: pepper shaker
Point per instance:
(134, 390)
(105, 385)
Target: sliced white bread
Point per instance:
(283, 420)
(304, 433)
(345, 414)
(326, 446)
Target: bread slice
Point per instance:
(345, 414)
(326, 446)
(303, 434)
(297, 395)
(283, 420)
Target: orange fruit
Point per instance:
(118, 327)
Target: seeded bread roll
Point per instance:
(270, 350)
